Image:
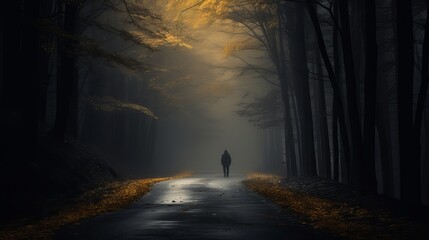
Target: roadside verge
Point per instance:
(107, 198)
(342, 218)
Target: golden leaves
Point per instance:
(196, 13)
(238, 45)
(340, 219)
(107, 198)
(110, 104)
(162, 39)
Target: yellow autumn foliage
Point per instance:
(111, 104)
(196, 13)
(238, 45)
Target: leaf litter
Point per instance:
(107, 198)
(339, 218)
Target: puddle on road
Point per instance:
(190, 190)
(177, 193)
(157, 224)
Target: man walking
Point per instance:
(226, 161)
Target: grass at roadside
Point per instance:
(107, 198)
(341, 219)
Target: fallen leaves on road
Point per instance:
(341, 219)
(110, 197)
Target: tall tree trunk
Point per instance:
(20, 80)
(333, 80)
(298, 56)
(45, 58)
(385, 159)
(66, 72)
(356, 169)
(11, 100)
(421, 100)
(298, 135)
(325, 152)
(336, 156)
(409, 166)
(357, 21)
(336, 153)
(31, 70)
(425, 157)
(291, 161)
(19, 103)
(73, 115)
(371, 56)
(415, 163)
(320, 160)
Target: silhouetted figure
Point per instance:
(226, 161)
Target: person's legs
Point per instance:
(227, 171)
(224, 170)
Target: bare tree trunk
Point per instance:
(334, 81)
(18, 103)
(337, 72)
(45, 58)
(11, 102)
(291, 161)
(298, 56)
(336, 156)
(324, 149)
(356, 169)
(421, 100)
(385, 159)
(357, 21)
(409, 164)
(66, 71)
(21, 79)
(371, 56)
(298, 135)
(425, 157)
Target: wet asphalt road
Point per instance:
(200, 207)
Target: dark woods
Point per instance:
(48, 104)
(350, 102)
(353, 81)
(46, 58)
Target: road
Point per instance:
(199, 207)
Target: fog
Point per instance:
(102, 90)
(194, 137)
(97, 94)
(197, 142)
(193, 86)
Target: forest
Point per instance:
(330, 88)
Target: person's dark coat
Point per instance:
(226, 159)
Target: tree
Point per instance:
(371, 56)
(409, 164)
(321, 120)
(333, 80)
(418, 118)
(298, 65)
(356, 167)
(265, 113)
(66, 80)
